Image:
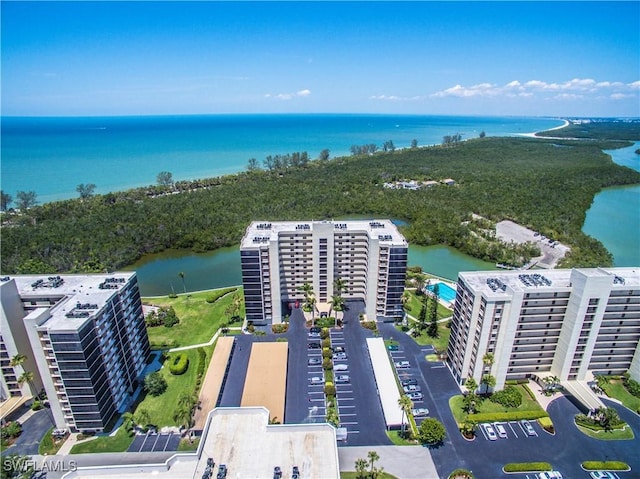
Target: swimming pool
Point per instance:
(445, 292)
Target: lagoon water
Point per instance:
(51, 156)
(614, 216)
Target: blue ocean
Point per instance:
(51, 156)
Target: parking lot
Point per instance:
(344, 390)
(512, 430)
(154, 442)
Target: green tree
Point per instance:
(406, 404)
(373, 457)
(361, 468)
(142, 417)
(433, 312)
(471, 385)
(488, 381)
(165, 179)
(27, 377)
(17, 360)
(5, 200)
(422, 316)
(252, 165)
(128, 422)
(431, 432)
(182, 417)
(26, 199)
(85, 191)
(155, 384)
(482, 134)
(324, 155)
(414, 143)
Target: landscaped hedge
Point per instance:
(605, 466)
(527, 467)
(505, 416)
(547, 424)
(280, 328)
(515, 382)
(216, 295)
(179, 364)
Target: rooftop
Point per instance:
(262, 232)
(497, 282)
(71, 299)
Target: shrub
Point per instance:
(324, 333)
(179, 364)
(280, 328)
(505, 416)
(461, 473)
(508, 397)
(13, 429)
(547, 424)
(370, 325)
(431, 431)
(202, 362)
(216, 295)
(329, 389)
(326, 343)
(527, 467)
(326, 353)
(36, 406)
(632, 386)
(605, 466)
(327, 364)
(155, 384)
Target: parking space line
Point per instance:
(347, 407)
(348, 414)
(347, 423)
(512, 429)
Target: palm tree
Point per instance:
(184, 286)
(182, 417)
(26, 377)
(488, 359)
(17, 360)
(128, 422)
(373, 457)
(361, 468)
(489, 381)
(142, 417)
(406, 404)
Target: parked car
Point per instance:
(528, 428)
(491, 433)
(409, 382)
(550, 475)
(222, 471)
(412, 388)
(210, 462)
(420, 412)
(415, 396)
(603, 475)
(315, 380)
(342, 378)
(314, 346)
(340, 367)
(314, 361)
(277, 472)
(393, 347)
(338, 349)
(402, 364)
(500, 429)
(339, 356)
(295, 474)
(314, 332)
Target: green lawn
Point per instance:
(199, 320)
(413, 308)
(162, 407)
(48, 446)
(118, 443)
(615, 435)
(528, 404)
(616, 389)
(395, 438)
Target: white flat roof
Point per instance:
(242, 439)
(67, 290)
(383, 230)
(559, 279)
(386, 382)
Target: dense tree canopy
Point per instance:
(547, 185)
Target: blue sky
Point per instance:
(458, 58)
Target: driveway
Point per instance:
(33, 430)
(565, 450)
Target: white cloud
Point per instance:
(570, 89)
(289, 96)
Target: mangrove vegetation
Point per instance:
(547, 185)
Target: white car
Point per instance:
(315, 380)
(342, 379)
(491, 433)
(420, 412)
(412, 388)
(528, 428)
(603, 475)
(415, 396)
(550, 475)
(340, 367)
(402, 364)
(500, 429)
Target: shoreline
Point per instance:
(535, 133)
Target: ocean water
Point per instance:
(51, 156)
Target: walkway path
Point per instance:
(201, 345)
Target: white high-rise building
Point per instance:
(279, 257)
(84, 339)
(572, 324)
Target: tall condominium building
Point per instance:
(85, 341)
(567, 323)
(278, 258)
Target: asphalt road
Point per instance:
(33, 429)
(565, 450)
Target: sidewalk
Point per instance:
(71, 441)
(543, 400)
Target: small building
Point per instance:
(449, 182)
